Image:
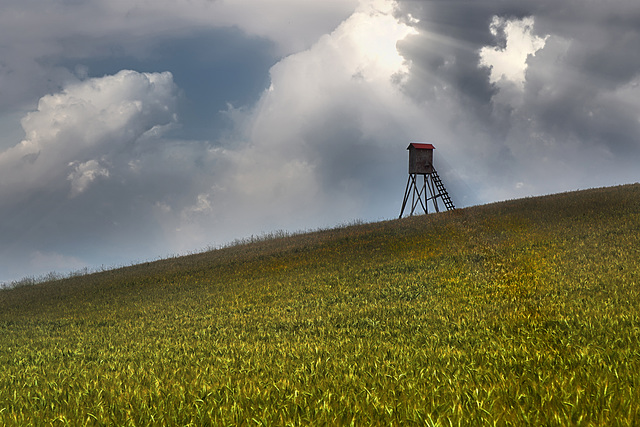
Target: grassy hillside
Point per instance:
(523, 312)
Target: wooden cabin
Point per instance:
(420, 158)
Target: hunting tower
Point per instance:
(421, 163)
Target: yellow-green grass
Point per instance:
(525, 312)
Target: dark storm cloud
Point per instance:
(577, 94)
(446, 49)
(574, 104)
(603, 39)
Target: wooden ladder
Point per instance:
(442, 192)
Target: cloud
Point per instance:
(315, 139)
(318, 100)
(510, 62)
(84, 174)
(548, 115)
(293, 24)
(36, 35)
(101, 160)
(71, 130)
(90, 132)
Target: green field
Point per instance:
(525, 312)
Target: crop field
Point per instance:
(525, 312)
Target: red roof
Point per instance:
(421, 146)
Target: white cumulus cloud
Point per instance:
(87, 120)
(318, 148)
(328, 108)
(510, 62)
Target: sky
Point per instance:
(133, 130)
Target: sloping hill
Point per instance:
(521, 312)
